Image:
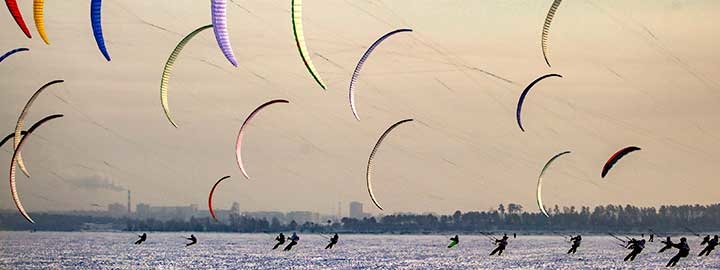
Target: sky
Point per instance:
(641, 73)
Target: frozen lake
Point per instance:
(86, 250)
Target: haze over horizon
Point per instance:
(641, 73)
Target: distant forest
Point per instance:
(666, 219)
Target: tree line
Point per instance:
(628, 218)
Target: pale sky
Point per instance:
(641, 73)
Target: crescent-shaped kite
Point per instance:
(212, 191)
(20, 123)
(524, 93)
(10, 136)
(238, 142)
(15, 12)
(11, 52)
(13, 187)
(546, 29)
(299, 34)
(219, 21)
(368, 174)
(539, 184)
(615, 157)
(39, 16)
(359, 66)
(167, 70)
(95, 21)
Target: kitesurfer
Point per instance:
(711, 244)
(281, 240)
(637, 246)
(668, 245)
(293, 241)
(142, 239)
(652, 238)
(333, 240)
(501, 243)
(454, 241)
(192, 239)
(575, 244)
(683, 251)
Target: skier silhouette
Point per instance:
(454, 241)
(575, 244)
(333, 241)
(192, 239)
(142, 239)
(293, 241)
(281, 240)
(668, 245)
(637, 246)
(711, 244)
(501, 243)
(683, 251)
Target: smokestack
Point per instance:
(129, 212)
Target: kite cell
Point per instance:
(20, 123)
(546, 29)
(96, 22)
(15, 12)
(524, 93)
(13, 187)
(219, 22)
(539, 184)
(167, 70)
(11, 52)
(238, 143)
(212, 191)
(359, 66)
(368, 174)
(39, 16)
(615, 157)
(300, 41)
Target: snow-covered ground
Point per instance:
(56, 250)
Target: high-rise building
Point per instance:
(356, 210)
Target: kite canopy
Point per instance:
(540, 182)
(616, 157)
(218, 16)
(11, 52)
(368, 175)
(96, 22)
(212, 191)
(15, 12)
(20, 123)
(39, 16)
(360, 64)
(13, 186)
(299, 34)
(167, 71)
(238, 142)
(524, 93)
(546, 30)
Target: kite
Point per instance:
(11, 52)
(524, 93)
(615, 157)
(368, 174)
(360, 63)
(539, 185)
(15, 12)
(212, 191)
(95, 20)
(219, 22)
(546, 29)
(13, 187)
(168, 69)
(300, 41)
(238, 143)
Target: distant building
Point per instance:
(356, 210)
(142, 211)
